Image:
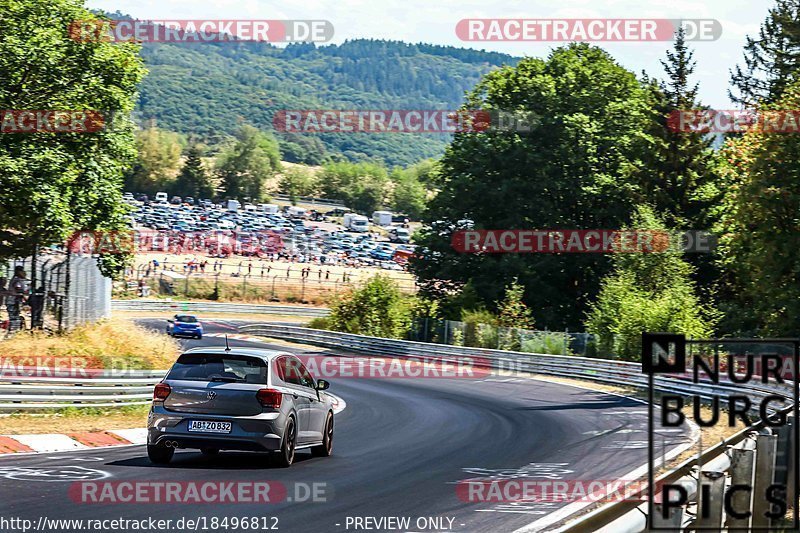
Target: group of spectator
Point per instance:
(263, 269)
(15, 293)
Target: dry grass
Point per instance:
(114, 343)
(75, 421)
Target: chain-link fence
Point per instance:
(55, 290)
(478, 335)
(250, 281)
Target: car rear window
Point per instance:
(225, 368)
(186, 318)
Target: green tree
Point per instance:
(378, 308)
(647, 292)
(513, 315)
(297, 181)
(426, 172)
(408, 193)
(578, 167)
(362, 186)
(680, 184)
(54, 183)
(256, 80)
(244, 166)
(759, 228)
(772, 60)
(308, 149)
(512, 311)
(194, 180)
(158, 160)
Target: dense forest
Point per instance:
(210, 90)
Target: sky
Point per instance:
(434, 21)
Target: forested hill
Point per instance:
(208, 90)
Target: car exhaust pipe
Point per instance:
(171, 444)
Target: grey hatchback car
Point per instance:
(239, 399)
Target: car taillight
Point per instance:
(161, 392)
(269, 398)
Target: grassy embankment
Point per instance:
(108, 344)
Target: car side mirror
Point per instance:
(322, 384)
(170, 321)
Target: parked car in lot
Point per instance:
(184, 326)
(243, 399)
(291, 235)
(401, 235)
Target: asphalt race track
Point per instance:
(400, 447)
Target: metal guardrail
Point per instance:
(611, 372)
(44, 388)
(218, 307)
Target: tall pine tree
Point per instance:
(193, 179)
(679, 184)
(772, 61)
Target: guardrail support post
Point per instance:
(710, 495)
(764, 476)
(671, 524)
(742, 461)
(783, 457)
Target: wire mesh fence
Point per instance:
(54, 290)
(250, 281)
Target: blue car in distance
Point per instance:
(184, 326)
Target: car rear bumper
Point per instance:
(187, 332)
(247, 433)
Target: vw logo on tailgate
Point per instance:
(211, 395)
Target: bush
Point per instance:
(547, 342)
(321, 322)
(480, 328)
(378, 309)
(647, 292)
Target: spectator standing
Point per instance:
(36, 301)
(17, 291)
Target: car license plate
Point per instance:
(209, 426)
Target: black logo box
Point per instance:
(665, 353)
